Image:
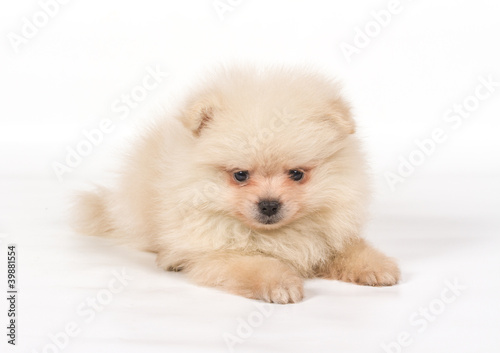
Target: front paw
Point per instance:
(289, 289)
(372, 271)
(253, 276)
(277, 284)
(362, 264)
(281, 289)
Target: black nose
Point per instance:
(269, 207)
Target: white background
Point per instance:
(442, 222)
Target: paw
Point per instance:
(289, 290)
(362, 264)
(256, 277)
(381, 271)
(283, 289)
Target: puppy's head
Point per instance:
(269, 141)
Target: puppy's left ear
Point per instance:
(340, 114)
(198, 114)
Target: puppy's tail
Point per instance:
(91, 214)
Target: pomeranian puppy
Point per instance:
(256, 185)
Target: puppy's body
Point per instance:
(258, 184)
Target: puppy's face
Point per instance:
(268, 197)
(269, 145)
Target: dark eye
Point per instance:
(241, 176)
(295, 174)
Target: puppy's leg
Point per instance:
(362, 264)
(252, 276)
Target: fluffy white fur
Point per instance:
(176, 194)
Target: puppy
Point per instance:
(256, 185)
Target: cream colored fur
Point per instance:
(176, 195)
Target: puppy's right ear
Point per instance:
(198, 115)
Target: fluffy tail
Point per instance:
(91, 214)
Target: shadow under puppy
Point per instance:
(258, 184)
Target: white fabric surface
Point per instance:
(435, 234)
